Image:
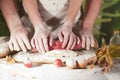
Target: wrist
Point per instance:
(39, 28)
(68, 24)
(87, 25)
(14, 28)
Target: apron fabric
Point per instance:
(53, 14)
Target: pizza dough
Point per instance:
(4, 50)
(4, 47)
(4, 39)
(48, 57)
(51, 56)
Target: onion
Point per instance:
(71, 63)
(82, 63)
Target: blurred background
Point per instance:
(107, 21)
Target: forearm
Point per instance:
(31, 8)
(92, 9)
(10, 14)
(74, 7)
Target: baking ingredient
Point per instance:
(28, 64)
(103, 58)
(82, 63)
(58, 62)
(57, 45)
(71, 63)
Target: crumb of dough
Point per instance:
(10, 60)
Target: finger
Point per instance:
(16, 45)
(41, 46)
(88, 43)
(74, 43)
(78, 40)
(60, 36)
(10, 45)
(26, 42)
(33, 42)
(37, 45)
(45, 44)
(51, 41)
(83, 41)
(22, 45)
(92, 42)
(65, 41)
(70, 42)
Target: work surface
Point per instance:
(51, 72)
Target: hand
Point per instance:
(19, 40)
(41, 40)
(87, 39)
(67, 37)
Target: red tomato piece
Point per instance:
(77, 47)
(57, 45)
(28, 64)
(58, 63)
(50, 47)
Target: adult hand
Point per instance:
(87, 39)
(41, 40)
(19, 40)
(67, 37)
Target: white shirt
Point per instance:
(55, 8)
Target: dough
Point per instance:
(48, 57)
(51, 56)
(4, 50)
(4, 39)
(4, 47)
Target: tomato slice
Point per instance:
(57, 45)
(50, 48)
(58, 62)
(28, 64)
(77, 47)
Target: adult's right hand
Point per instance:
(41, 40)
(19, 40)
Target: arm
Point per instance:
(70, 39)
(42, 37)
(31, 8)
(18, 37)
(10, 14)
(74, 7)
(92, 9)
(91, 12)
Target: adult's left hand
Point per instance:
(67, 37)
(87, 38)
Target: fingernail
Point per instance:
(60, 40)
(83, 46)
(92, 45)
(18, 49)
(24, 50)
(11, 49)
(87, 48)
(29, 48)
(62, 46)
(47, 49)
(15, 49)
